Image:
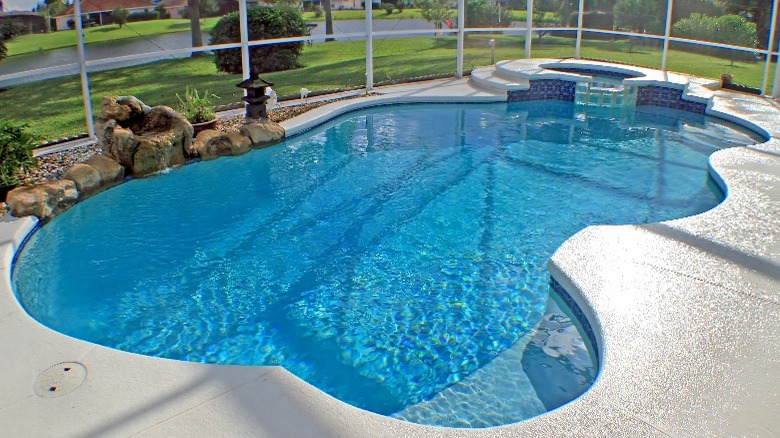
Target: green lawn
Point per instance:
(54, 108)
(67, 38)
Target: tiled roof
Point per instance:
(173, 3)
(88, 6)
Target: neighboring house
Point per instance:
(34, 22)
(344, 4)
(173, 7)
(98, 12)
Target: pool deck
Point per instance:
(687, 314)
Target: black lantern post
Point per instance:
(255, 96)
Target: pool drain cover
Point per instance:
(61, 379)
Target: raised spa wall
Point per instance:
(559, 89)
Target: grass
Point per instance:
(54, 108)
(67, 38)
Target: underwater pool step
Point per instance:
(500, 388)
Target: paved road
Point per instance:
(159, 45)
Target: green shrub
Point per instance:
(264, 23)
(10, 29)
(685, 8)
(318, 11)
(16, 145)
(400, 6)
(3, 50)
(388, 7)
(143, 16)
(161, 12)
(727, 29)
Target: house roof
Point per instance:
(89, 6)
(172, 3)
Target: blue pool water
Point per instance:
(395, 258)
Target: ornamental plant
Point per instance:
(197, 108)
(16, 146)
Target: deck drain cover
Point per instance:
(61, 379)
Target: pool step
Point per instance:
(489, 79)
(500, 388)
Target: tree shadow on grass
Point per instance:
(105, 29)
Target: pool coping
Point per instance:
(662, 371)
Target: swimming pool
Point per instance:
(391, 255)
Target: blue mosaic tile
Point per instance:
(556, 89)
(575, 309)
(544, 89)
(667, 98)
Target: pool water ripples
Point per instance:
(395, 258)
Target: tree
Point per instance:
(193, 6)
(544, 9)
(119, 16)
(207, 8)
(48, 9)
(328, 19)
(482, 13)
(635, 16)
(263, 23)
(434, 11)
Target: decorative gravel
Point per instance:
(51, 166)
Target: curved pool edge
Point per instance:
(662, 372)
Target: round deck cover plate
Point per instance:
(60, 380)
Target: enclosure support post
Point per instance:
(580, 16)
(244, 30)
(461, 27)
(529, 22)
(369, 47)
(667, 32)
(770, 47)
(85, 94)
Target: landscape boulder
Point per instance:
(86, 178)
(94, 175)
(262, 132)
(42, 200)
(210, 144)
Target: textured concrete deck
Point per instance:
(687, 313)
